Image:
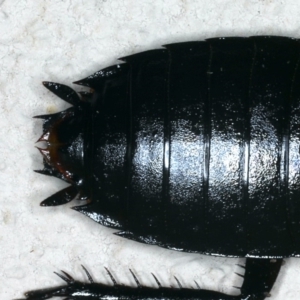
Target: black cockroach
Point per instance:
(193, 147)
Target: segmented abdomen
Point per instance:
(197, 145)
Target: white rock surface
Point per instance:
(63, 41)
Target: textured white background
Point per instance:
(63, 41)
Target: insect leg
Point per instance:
(259, 278)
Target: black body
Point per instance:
(193, 147)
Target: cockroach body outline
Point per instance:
(189, 147)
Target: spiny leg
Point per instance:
(260, 276)
(73, 289)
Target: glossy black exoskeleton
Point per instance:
(193, 147)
